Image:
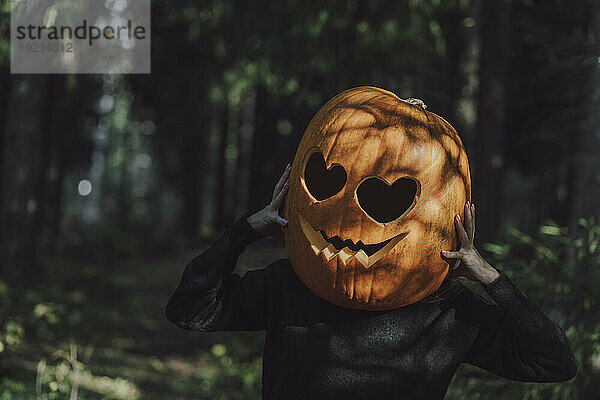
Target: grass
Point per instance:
(97, 330)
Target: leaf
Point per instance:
(550, 230)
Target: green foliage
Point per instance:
(33, 324)
(67, 376)
(101, 334)
(559, 270)
(68, 335)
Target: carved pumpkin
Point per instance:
(373, 190)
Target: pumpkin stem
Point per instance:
(416, 102)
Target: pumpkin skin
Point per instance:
(406, 177)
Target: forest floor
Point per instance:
(99, 331)
(96, 329)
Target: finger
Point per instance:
(462, 234)
(279, 198)
(457, 266)
(468, 223)
(452, 254)
(281, 181)
(280, 221)
(473, 221)
(458, 269)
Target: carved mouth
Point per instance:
(366, 254)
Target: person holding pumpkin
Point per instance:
(387, 319)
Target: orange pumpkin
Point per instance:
(374, 186)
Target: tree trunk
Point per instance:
(22, 176)
(584, 196)
(5, 83)
(263, 141)
(56, 122)
(455, 49)
(220, 170)
(488, 149)
(244, 152)
(192, 150)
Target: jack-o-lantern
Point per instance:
(373, 191)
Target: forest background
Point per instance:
(110, 184)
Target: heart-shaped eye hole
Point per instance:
(321, 182)
(385, 203)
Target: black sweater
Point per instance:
(316, 350)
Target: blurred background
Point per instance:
(110, 184)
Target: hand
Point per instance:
(267, 220)
(473, 266)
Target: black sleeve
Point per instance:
(211, 298)
(517, 340)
